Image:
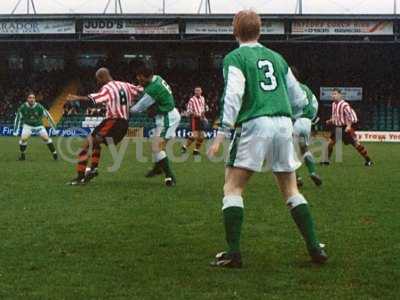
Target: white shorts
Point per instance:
(302, 131)
(264, 143)
(167, 124)
(28, 130)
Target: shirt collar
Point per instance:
(253, 44)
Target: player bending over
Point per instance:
(118, 97)
(302, 134)
(157, 92)
(260, 91)
(30, 115)
(196, 109)
(343, 120)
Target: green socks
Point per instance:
(309, 162)
(51, 147)
(233, 219)
(165, 166)
(302, 217)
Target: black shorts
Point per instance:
(115, 129)
(198, 124)
(348, 138)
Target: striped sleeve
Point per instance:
(349, 114)
(134, 90)
(102, 96)
(189, 107)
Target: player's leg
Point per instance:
(23, 142)
(191, 139)
(87, 149)
(232, 211)
(49, 142)
(199, 142)
(284, 164)
(108, 134)
(165, 130)
(351, 138)
(300, 212)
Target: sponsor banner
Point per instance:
(268, 27)
(128, 27)
(379, 136)
(37, 27)
(342, 27)
(68, 132)
(349, 93)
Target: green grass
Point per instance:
(126, 237)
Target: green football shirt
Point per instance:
(311, 109)
(160, 91)
(32, 115)
(258, 82)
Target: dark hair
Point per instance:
(145, 68)
(30, 92)
(337, 90)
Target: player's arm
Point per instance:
(134, 90)
(231, 101)
(102, 96)
(17, 122)
(189, 108)
(143, 104)
(297, 96)
(350, 117)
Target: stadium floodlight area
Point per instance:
(29, 4)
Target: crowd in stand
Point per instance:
(372, 67)
(46, 85)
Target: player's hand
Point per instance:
(329, 122)
(214, 149)
(347, 129)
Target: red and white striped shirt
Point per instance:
(118, 97)
(196, 106)
(342, 114)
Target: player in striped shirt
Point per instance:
(344, 118)
(196, 109)
(117, 96)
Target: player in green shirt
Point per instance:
(30, 116)
(157, 93)
(302, 133)
(261, 96)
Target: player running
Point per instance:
(260, 92)
(196, 109)
(157, 92)
(118, 96)
(342, 121)
(302, 134)
(30, 115)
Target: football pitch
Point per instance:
(127, 237)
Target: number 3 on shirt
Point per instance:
(271, 83)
